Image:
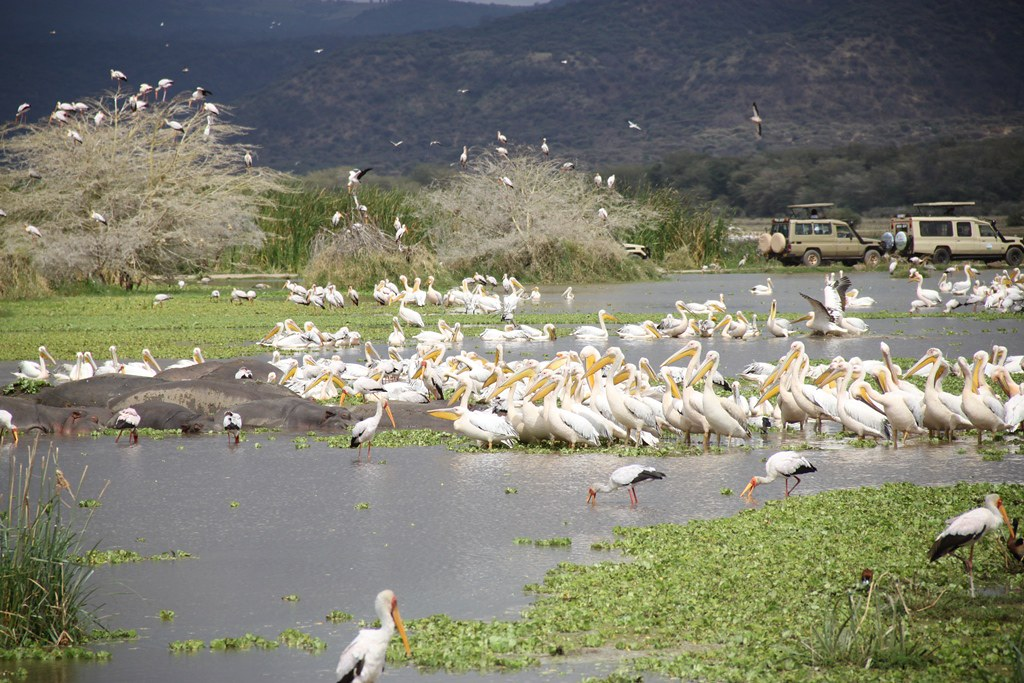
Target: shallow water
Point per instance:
(439, 531)
(440, 526)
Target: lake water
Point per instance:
(438, 527)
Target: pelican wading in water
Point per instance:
(480, 425)
(595, 333)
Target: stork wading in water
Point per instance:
(966, 529)
(782, 464)
(233, 424)
(363, 660)
(365, 430)
(128, 419)
(625, 477)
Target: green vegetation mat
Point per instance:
(772, 594)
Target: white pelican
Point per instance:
(985, 415)
(535, 295)
(762, 290)
(363, 660)
(855, 417)
(779, 327)
(720, 419)
(942, 411)
(409, 316)
(893, 406)
(482, 426)
(161, 298)
(964, 286)
(561, 424)
(591, 332)
(645, 330)
(782, 464)
(821, 320)
(233, 424)
(927, 298)
(128, 419)
(7, 425)
(628, 477)
(28, 369)
(567, 294)
(365, 430)
(854, 300)
(966, 529)
(397, 337)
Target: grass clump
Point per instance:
(43, 592)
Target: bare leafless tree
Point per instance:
(120, 192)
(525, 214)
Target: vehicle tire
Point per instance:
(941, 256)
(811, 258)
(872, 258)
(1014, 256)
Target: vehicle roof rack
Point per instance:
(942, 208)
(943, 204)
(821, 205)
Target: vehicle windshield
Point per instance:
(986, 230)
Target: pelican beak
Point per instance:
(270, 335)
(596, 367)
(457, 394)
(400, 625)
(749, 490)
(391, 416)
(14, 431)
(444, 414)
(545, 388)
(672, 386)
(826, 377)
(609, 316)
(419, 371)
(863, 393)
(802, 319)
(46, 354)
(685, 352)
(526, 372)
(772, 392)
(591, 496)
(558, 361)
(704, 369)
(923, 363)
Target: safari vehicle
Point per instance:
(938, 230)
(807, 236)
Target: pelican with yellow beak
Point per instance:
(482, 426)
(590, 332)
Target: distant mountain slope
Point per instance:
(64, 49)
(686, 71)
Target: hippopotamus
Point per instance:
(95, 391)
(163, 415)
(205, 396)
(220, 369)
(293, 414)
(28, 415)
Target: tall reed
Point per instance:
(43, 592)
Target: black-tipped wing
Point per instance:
(359, 176)
(820, 311)
(950, 543)
(647, 474)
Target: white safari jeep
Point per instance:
(807, 236)
(938, 230)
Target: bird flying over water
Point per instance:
(756, 118)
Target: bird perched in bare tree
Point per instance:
(464, 157)
(544, 146)
(355, 176)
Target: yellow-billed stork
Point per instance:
(966, 529)
(363, 660)
(628, 477)
(782, 464)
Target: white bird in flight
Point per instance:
(633, 125)
(756, 118)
